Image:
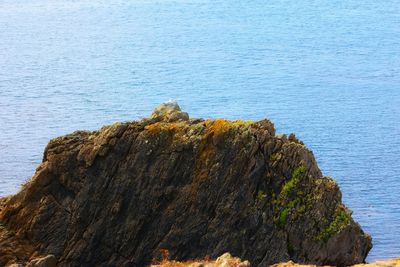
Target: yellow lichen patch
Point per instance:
(243, 123)
(158, 127)
(215, 131)
(174, 126)
(218, 126)
(154, 128)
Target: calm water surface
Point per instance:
(327, 70)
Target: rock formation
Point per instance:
(120, 195)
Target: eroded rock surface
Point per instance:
(117, 196)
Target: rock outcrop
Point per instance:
(197, 188)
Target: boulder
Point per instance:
(121, 195)
(169, 111)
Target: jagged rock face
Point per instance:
(117, 196)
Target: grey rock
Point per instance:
(169, 111)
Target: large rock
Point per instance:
(118, 196)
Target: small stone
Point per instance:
(165, 109)
(169, 111)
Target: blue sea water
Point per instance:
(327, 70)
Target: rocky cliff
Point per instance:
(120, 195)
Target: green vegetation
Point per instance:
(292, 203)
(341, 220)
(302, 209)
(286, 203)
(260, 196)
(275, 157)
(259, 200)
(283, 216)
(289, 185)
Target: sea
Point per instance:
(328, 71)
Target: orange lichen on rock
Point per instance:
(215, 134)
(206, 148)
(192, 186)
(154, 128)
(218, 127)
(174, 126)
(205, 153)
(158, 127)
